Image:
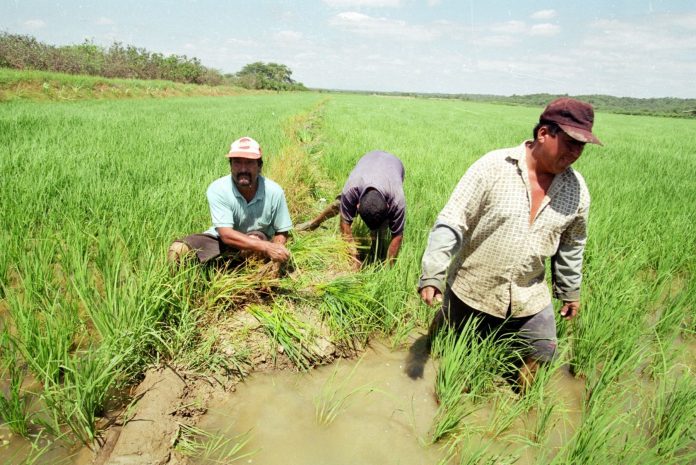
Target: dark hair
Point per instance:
(552, 127)
(373, 209)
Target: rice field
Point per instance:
(93, 192)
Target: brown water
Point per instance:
(390, 425)
(384, 426)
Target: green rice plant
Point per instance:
(13, 407)
(467, 367)
(211, 448)
(333, 399)
(44, 334)
(349, 307)
(607, 426)
(462, 448)
(286, 331)
(672, 413)
(79, 399)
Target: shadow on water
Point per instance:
(418, 355)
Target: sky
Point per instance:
(632, 48)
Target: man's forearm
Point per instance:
(394, 247)
(280, 238)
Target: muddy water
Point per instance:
(390, 425)
(379, 427)
(16, 450)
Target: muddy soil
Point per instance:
(149, 430)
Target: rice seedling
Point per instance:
(349, 307)
(333, 399)
(467, 367)
(463, 451)
(286, 331)
(672, 414)
(78, 400)
(13, 407)
(211, 448)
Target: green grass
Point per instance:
(98, 189)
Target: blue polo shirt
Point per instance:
(267, 212)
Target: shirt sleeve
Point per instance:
(453, 223)
(443, 242)
(397, 218)
(220, 209)
(566, 264)
(282, 221)
(349, 204)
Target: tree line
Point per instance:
(130, 62)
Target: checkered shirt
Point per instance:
(499, 262)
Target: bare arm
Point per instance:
(276, 251)
(280, 238)
(394, 247)
(347, 233)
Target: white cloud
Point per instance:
(364, 25)
(544, 30)
(288, 36)
(434, 2)
(544, 14)
(509, 27)
(241, 42)
(34, 24)
(104, 21)
(362, 3)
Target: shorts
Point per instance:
(209, 247)
(536, 333)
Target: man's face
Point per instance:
(245, 172)
(561, 151)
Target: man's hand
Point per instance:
(431, 295)
(276, 252)
(570, 310)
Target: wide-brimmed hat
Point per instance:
(246, 147)
(574, 117)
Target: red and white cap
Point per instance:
(246, 147)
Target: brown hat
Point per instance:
(573, 116)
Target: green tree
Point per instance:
(272, 76)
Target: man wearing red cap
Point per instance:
(249, 213)
(512, 210)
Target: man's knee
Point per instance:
(177, 252)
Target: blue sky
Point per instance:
(624, 48)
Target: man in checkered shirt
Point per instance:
(513, 209)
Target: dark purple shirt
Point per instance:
(383, 172)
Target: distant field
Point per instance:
(94, 192)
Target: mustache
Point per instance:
(244, 173)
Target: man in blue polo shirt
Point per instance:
(249, 213)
